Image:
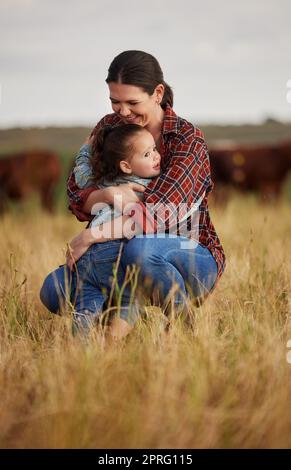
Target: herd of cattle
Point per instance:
(260, 169)
(29, 172)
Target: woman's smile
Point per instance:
(130, 119)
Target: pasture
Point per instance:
(221, 382)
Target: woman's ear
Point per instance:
(160, 90)
(125, 167)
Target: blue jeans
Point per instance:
(90, 286)
(167, 260)
(163, 260)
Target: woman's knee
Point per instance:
(139, 251)
(131, 253)
(48, 294)
(53, 291)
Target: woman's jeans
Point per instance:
(167, 265)
(168, 262)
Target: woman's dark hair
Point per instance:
(140, 69)
(110, 146)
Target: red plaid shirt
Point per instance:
(185, 179)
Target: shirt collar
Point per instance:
(170, 124)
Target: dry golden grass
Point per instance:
(221, 382)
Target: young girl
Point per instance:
(119, 155)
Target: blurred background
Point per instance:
(229, 64)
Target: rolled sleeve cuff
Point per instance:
(76, 205)
(144, 218)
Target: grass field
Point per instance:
(223, 381)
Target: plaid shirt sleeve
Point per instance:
(186, 180)
(77, 198)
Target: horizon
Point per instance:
(202, 124)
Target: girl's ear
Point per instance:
(125, 167)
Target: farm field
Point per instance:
(222, 381)
(149, 357)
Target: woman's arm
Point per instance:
(119, 196)
(184, 183)
(120, 227)
(78, 197)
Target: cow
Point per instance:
(27, 172)
(260, 169)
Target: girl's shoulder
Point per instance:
(123, 179)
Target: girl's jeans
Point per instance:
(163, 260)
(94, 281)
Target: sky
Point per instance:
(227, 61)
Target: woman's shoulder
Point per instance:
(109, 119)
(181, 127)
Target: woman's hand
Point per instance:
(120, 227)
(124, 194)
(119, 196)
(78, 246)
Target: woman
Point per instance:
(182, 249)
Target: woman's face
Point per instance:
(134, 105)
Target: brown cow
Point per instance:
(261, 169)
(26, 172)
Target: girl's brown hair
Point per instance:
(140, 69)
(110, 146)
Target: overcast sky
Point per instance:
(227, 61)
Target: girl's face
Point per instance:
(145, 161)
(134, 105)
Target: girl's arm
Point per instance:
(79, 187)
(82, 175)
